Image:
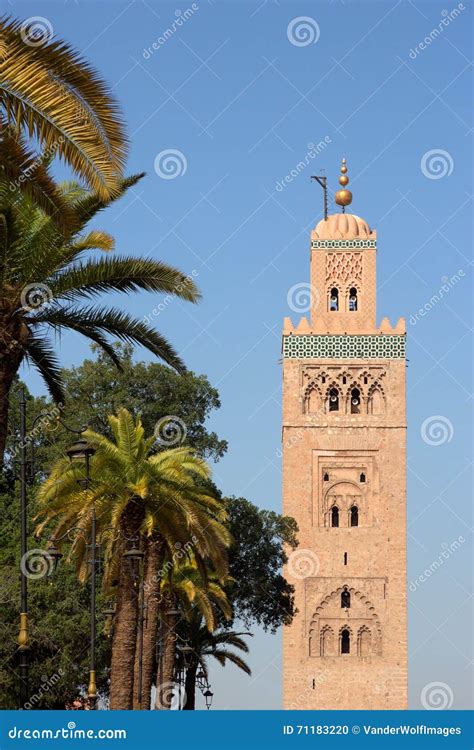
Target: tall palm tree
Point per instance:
(135, 492)
(47, 284)
(217, 644)
(50, 93)
(188, 588)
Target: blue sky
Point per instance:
(241, 102)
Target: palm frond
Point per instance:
(40, 353)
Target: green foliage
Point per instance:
(59, 625)
(260, 595)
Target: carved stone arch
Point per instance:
(376, 401)
(333, 386)
(340, 296)
(327, 641)
(348, 305)
(356, 594)
(354, 384)
(344, 377)
(364, 641)
(313, 399)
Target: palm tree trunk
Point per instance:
(165, 682)
(190, 688)
(154, 554)
(10, 359)
(126, 618)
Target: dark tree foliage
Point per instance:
(59, 625)
(260, 595)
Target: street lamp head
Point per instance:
(186, 653)
(80, 450)
(52, 553)
(133, 556)
(208, 695)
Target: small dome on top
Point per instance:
(342, 227)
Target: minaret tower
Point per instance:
(344, 439)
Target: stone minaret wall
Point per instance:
(352, 457)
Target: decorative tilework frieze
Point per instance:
(343, 244)
(344, 347)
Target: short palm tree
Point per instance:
(136, 493)
(47, 283)
(218, 644)
(189, 588)
(50, 93)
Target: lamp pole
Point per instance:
(23, 635)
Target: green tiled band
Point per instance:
(343, 244)
(344, 347)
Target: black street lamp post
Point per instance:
(23, 635)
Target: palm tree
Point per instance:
(205, 644)
(134, 493)
(49, 92)
(47, 283)
(190, 587)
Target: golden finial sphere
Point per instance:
(343, 197)
(343, 169)
(343, 180)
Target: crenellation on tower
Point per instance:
(344, 437)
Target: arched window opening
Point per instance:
(352, 299)
(354, 515)
(326, 477)
(333, 399)
(334, 300)
(345, 641)
(345, 558)
(365, 380)
(355, 401)
(362, 477)
(344, 380)
(335, 516)
(345, 599)
(323, 379)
